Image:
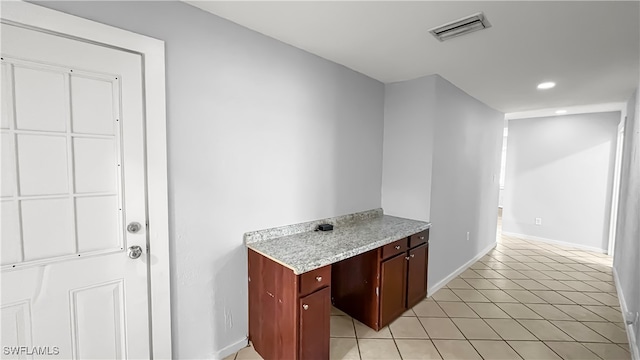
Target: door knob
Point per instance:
(305, 306)
(135, 251)
(134, 227)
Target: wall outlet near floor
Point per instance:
(467, 236)
(538, 221)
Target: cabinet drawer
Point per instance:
(394, 248)
(314, 280)
(419, 238)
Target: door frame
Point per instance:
(153, 68)
(615, 190)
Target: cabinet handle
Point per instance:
(421, 237)
(413, 255)
(319, 278)
(407, 258)
(397, 247)
(305, 306)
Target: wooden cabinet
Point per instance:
(393, 284)
(417, 275)
(288, 314)
(315, 315)
(379, 286)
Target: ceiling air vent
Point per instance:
(460, 27)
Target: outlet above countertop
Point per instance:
(302, 249)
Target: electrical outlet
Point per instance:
(467, 236)
(538, 221)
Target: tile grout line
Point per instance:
(425, 329)
(355, 332)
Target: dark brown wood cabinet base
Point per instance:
(288, 314)
(378, 286)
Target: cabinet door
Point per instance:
(417, 275)
(393, 288)
(315, 313)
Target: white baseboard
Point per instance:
(232, 349)
(633, 344)
(555, 242)
(432, 289)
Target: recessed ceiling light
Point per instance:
(546, 85)
(560, 112)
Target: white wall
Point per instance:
(409, 118)
(442, 163)
(560, 169)
(260, 134)
(465, 182)
(626, 259)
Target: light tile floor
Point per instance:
(523, 300)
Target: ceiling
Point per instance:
(590, 49)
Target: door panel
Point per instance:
(98, 321)
(16, 324)
(417, 275)
(39, 99)
(73, 175)
(315, 313)
(393, 288)
(93, 105)
(95, 165)
(42, 164)
(47, 229)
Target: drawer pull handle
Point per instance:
(421, 237)
(305, 306)
(413, 255)
(319, 278)
(397, 247)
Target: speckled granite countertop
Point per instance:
(302, 249)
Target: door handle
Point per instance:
(135, 251)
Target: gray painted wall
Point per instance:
(465, 180)
(442, 163)
(260, 134)
(560, 169)
(626, 259)
(409, 119)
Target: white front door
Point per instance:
(73, 178)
